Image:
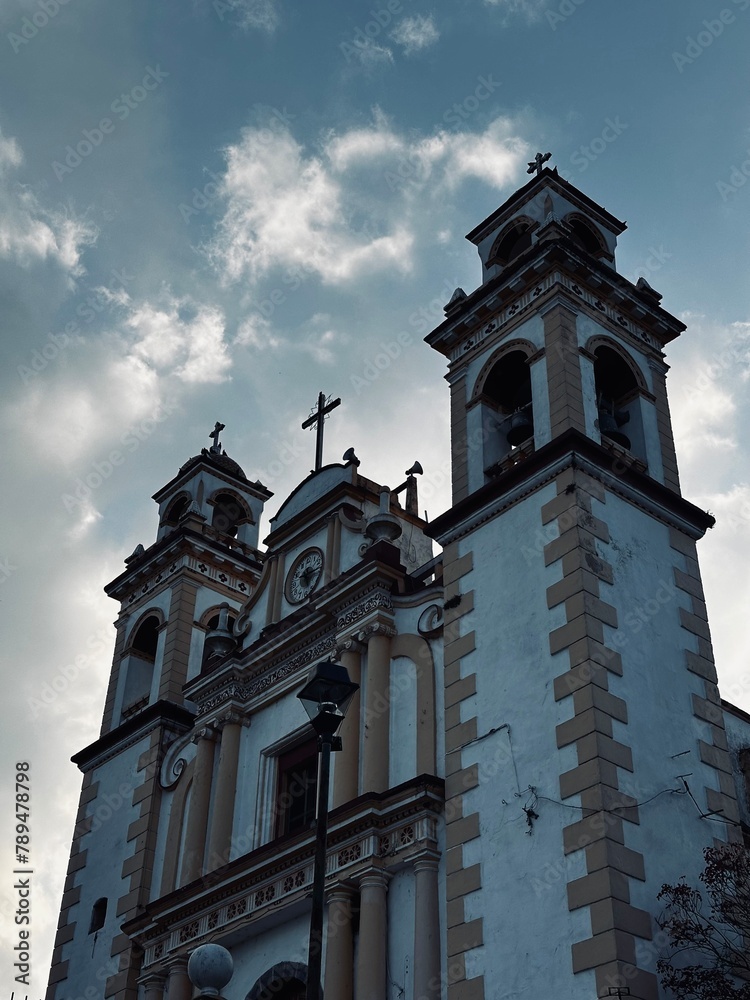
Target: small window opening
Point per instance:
(296, 789)
(98, 915)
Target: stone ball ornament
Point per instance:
(210, 968)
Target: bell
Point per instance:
(520, 428)
(609, 426)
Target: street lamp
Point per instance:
(326, 696)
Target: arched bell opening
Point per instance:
(618, 398)
(514, 240)
(176, 511)
(139, 664)
(508, 410)
(587, 236)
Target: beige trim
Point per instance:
(417, 649)
(177, 640)
(200, 798)
(459, 440)
(564, 384)
(177, 818)
(610, 864)
(346, 767)
(77, 863)
(708, 708)
(376, 732)
(460, 828)
(224, 794)
(339, 970)
(664, 425)
(373, 922)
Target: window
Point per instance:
(139, 665)
(176, 510)
(296, 789)
(507, 399)
(512, 242)
(98, 915)
(228, 512)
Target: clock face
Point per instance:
(304, 576)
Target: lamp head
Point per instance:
(327, 695)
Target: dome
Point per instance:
(219, 458)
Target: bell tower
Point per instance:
(586, 759)
(177, 598)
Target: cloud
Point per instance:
(349, 208)
(532, 9)
(31, 233)
(415, 33)
(181, 337)
(251, 15)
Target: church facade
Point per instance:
(538, 742)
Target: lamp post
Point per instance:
(326, 696)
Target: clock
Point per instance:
(304, 575)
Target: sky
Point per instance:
(215, 209)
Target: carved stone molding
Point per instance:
(379, 601)
(377, 628)
(430, 624)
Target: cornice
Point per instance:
(174, 718)
(574, 449)
(499, 305)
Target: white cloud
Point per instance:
(532, 9)
(29, 232)
(415, 33)
(370, 54)
(181, 336)
(289, 208)
(251, 15)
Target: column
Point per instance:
(426, 931)
(371, 957)
(346, 771)
(220, 838)
(200, 797)
(179, 986)
(153, 985)
(339, 978)
(377, 710)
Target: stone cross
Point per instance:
(316, 420)
(218, 428)
(535, 166)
